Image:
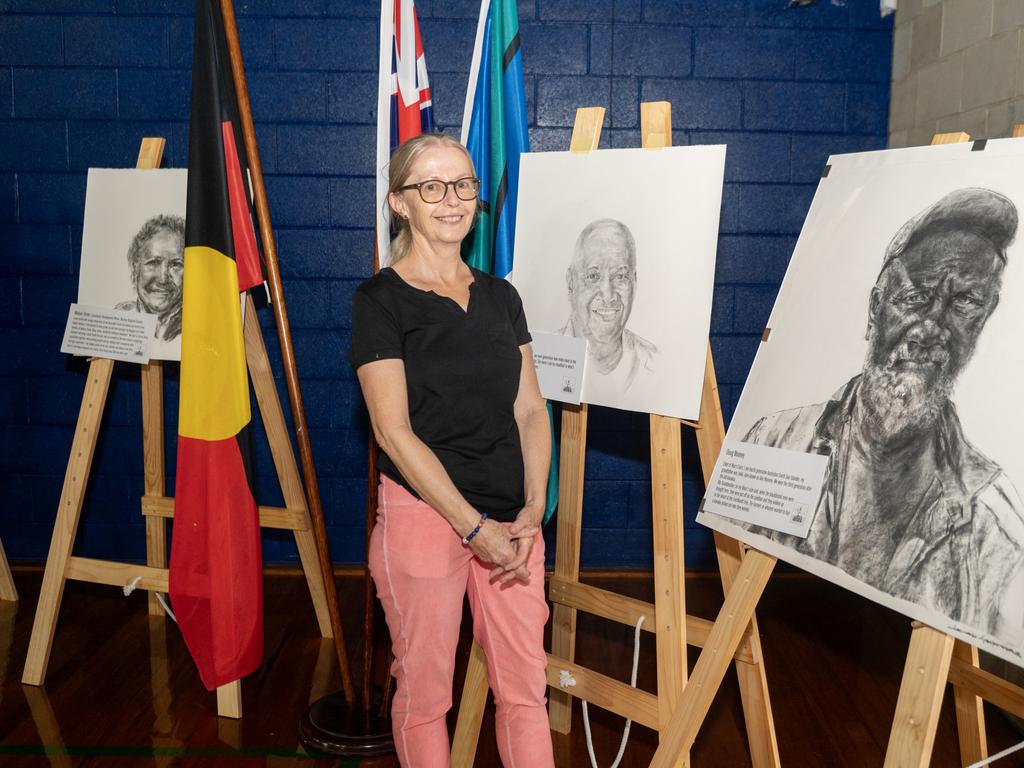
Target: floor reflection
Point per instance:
(163, 738)
(47, 726)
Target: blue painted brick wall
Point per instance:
(81, 81)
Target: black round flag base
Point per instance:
(331, 726)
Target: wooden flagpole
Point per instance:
(284, 336)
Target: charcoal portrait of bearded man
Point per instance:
(908, 504)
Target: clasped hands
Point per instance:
(507, 546)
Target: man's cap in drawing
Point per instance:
(981, 212)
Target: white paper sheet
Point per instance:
(560, 362)
(768, 487)
(647, 326)
(112, 333)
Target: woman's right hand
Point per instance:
(492, 544)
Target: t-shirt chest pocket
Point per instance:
(503, 341)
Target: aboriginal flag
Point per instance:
(215, 576)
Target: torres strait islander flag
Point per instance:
(404, 108)
(215, 575)
(494, 131)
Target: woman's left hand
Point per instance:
(522, 532)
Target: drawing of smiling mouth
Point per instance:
(162, 291)
(606, 314)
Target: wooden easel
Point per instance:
(158, 507)
(667, 616)
(935, 658)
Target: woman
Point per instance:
(443, 358)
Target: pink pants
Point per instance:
(422, 571)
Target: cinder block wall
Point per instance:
(957, 65)
(81, 81)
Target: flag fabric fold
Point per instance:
(215, 577)
(404, 105)
(495, 132)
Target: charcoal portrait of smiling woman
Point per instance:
(157, 262)
(893, 351)
(133, 242)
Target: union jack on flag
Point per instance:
(404, 108)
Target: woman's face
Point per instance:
(448, 221)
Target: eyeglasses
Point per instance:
(435, 190)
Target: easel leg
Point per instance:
(7, 589)
(284, 461)
(757, 708)
(66, 524)
(970, 712)
(669, 574)
(567, 551)
(471, 709)
(724, 638)
(920, 699)
(155, 468)
(229, 700)
(156, 555)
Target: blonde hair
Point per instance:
(399, 170)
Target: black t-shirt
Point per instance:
(462, 372)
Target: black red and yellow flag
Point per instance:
(215, 575)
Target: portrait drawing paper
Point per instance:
(618, 247)
(894, 351)
(132, 248)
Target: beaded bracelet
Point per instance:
(469, 536)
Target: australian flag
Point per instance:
(404, 108)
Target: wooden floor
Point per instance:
(120, 690)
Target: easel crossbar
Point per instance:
(606, 692)
(270, 517)
(116, 574)
(990, 687)
(628, 610)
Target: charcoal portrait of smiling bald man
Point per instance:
(601, 282)
(908, 504)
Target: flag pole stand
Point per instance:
(335, 727)
(157, 507)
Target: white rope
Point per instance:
(566, 680)
(997, 756)
(166, 607)
(132, 585)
